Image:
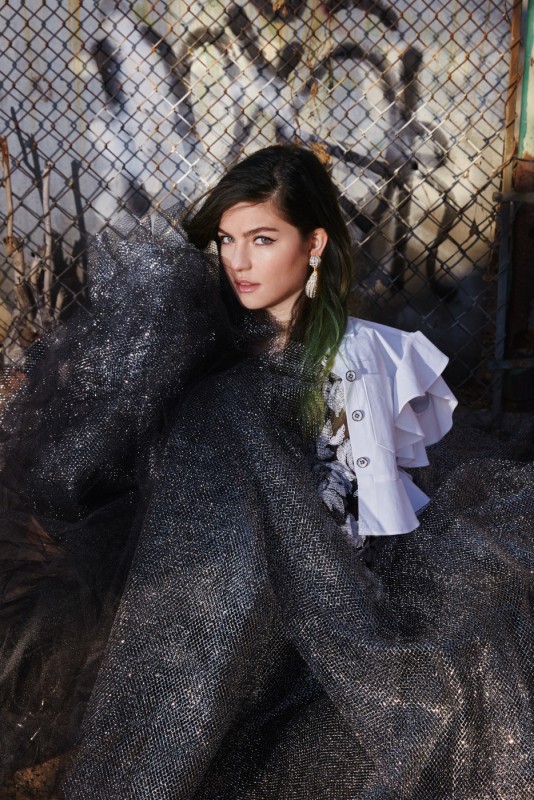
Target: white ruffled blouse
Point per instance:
(334, 466)
(396, 404)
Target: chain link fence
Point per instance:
(114, 105)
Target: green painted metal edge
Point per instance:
(526, 120)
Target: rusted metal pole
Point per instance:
(512, 366)
(520, 329)
(504, 275)
(514, 80)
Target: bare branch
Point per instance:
(25, 301)
(6, 319)
(47, 262)
(12, 245)
(35, 269)
(7, 184)
(60, 299)
(25, 329)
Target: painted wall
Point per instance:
(144, 103)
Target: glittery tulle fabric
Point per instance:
(78, 438)
(167, 531)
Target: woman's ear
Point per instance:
(318, 240)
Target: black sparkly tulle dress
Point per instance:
(181, 615)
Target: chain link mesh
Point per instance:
(137, 104)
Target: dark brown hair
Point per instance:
(298, 184)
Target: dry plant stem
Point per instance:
(12, 245)
(32, 284)
(25, 302)
(7, 183)
(35, 269)
(22, 330)
(47, 265)
(60, 299)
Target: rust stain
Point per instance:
(524, 173)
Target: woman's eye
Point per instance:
(225, 239)
(263, 240)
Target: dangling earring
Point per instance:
(310, 289)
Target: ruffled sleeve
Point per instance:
(422, 401)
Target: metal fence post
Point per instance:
(519, 388)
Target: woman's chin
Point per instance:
(248, 300)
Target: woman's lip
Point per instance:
(246, 286)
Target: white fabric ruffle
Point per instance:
(397, 404)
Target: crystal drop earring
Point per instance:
(311, 285)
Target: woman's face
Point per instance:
(266, 258)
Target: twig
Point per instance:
(60, 299)
(35, 269)
(12, 245)
(47, 261)
(24, 297)
(26, 331)
(7, 183)
(36, 309)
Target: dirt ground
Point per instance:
(33, 784)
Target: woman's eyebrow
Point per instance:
(252, 232)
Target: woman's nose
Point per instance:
(239, 257)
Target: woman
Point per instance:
(253, 653)
(288, 253)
